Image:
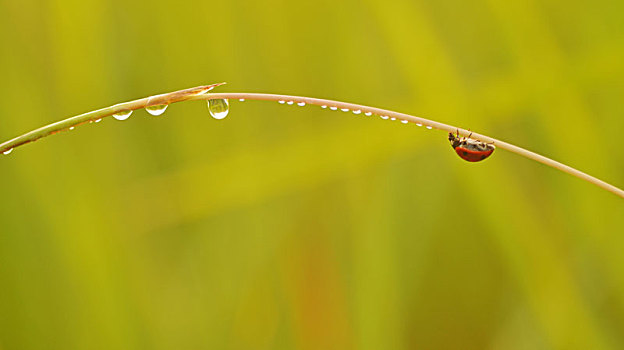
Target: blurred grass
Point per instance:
(286, 227)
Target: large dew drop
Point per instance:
(123, 115)
(8, 151)
(218, 108)
(155, 110)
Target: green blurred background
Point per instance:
(283, 227)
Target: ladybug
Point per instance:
(469, 149)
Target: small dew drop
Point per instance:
(393, 118)
(241, 99)
(8, 151)
(71, 128)
(301, 104)
(429, 127)
(418, 124)
(218, 108)
(344, 109)
(357, 111)
(98, 120)
(123, 115)
(333, 108)
(281, 102)
(384, 116)
(156, 110)
(404, 121)
(290, 102)
(368, 114)
(323, 106)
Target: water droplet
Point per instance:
(123, 115)
(218, 108)
(241, 99)
(156, 110)
(98, 120)
(384, 116)
(333, 108)
(393, 118)
(323, 106)
(429, 127)
(404, 121)
(418, 124)
(8, 151)
(290, 102)
(357, 111)
(344, 109)
(368, 114)
(281, 102)
(301, 104)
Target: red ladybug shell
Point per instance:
(471, 155)
(470, 150)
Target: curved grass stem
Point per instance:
(200, 93)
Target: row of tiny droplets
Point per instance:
(356, 111)
(219, 109)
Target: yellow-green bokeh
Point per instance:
(283, 227)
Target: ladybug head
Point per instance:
(454, 140)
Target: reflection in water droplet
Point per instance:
(71, 128)
(156, 110)
(281, 101)
(241, 99)
(218, 108)
(368, 114)
(301, 104)
(8, 151)
(384, 116)
(429, 127)
(404, 121)
(323, 106)
(393, 118)
(98, 120)
(344, 109)
(357, 111)
(418, 124)
(333, 108)
(123, 115)
(290, 102)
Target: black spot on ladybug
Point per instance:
(465, 153)
(483, 157)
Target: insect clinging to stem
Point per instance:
(470, 150)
